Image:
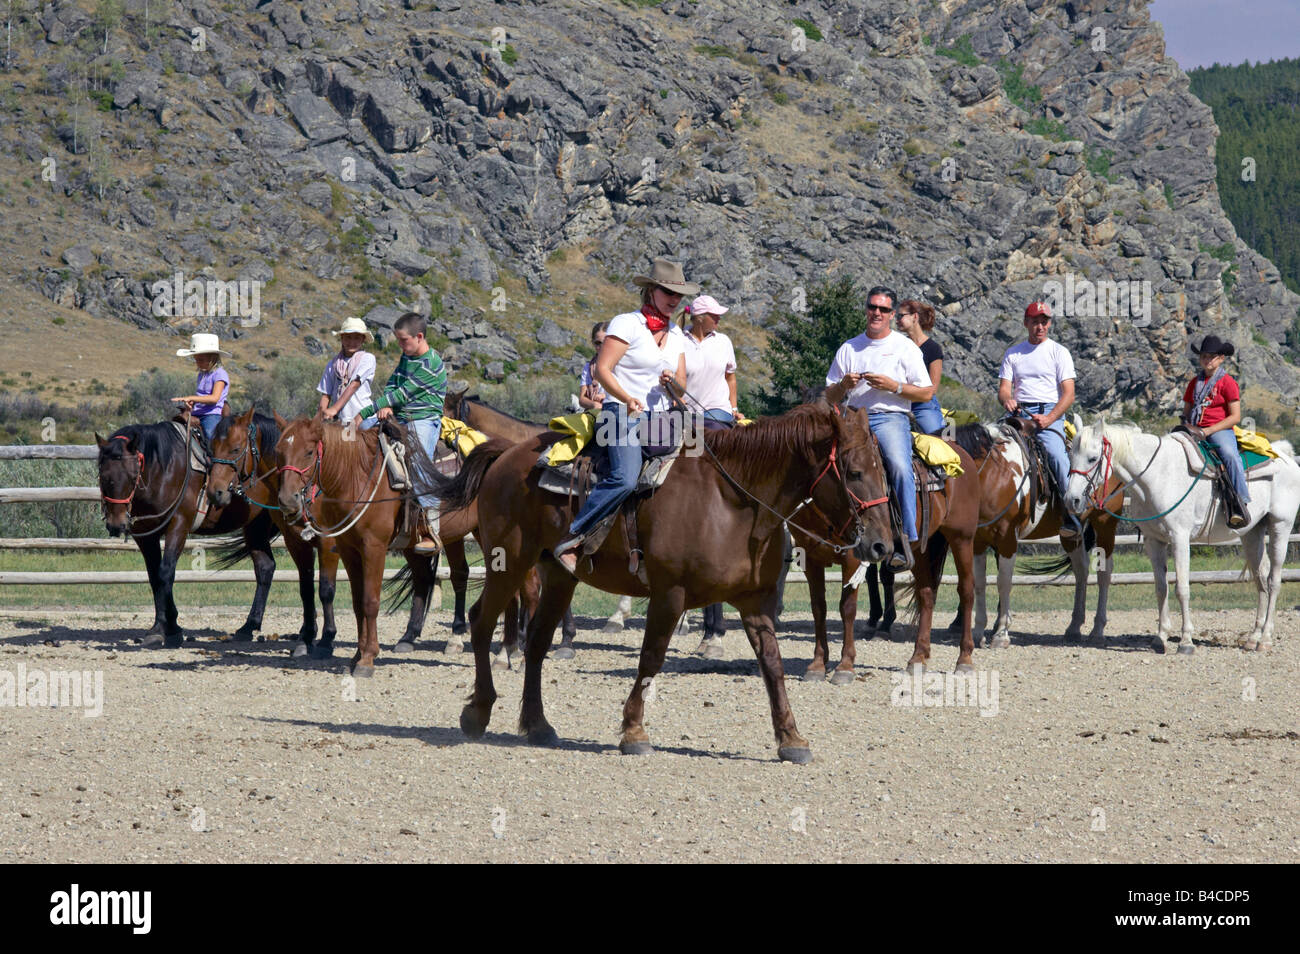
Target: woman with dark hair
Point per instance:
(916, 319)
(592, 395)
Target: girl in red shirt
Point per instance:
(1212, 403)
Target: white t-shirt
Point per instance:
(894, 355)
(637, 372)
(708, 363)
(672, 348)
(362, 368)
(1036, 371)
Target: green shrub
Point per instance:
(809, 28)
(1047, 128)
(1018, 91)
(960, 51)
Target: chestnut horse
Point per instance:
(744, 487)
(243, 467)
(1008, 518)
(148, 490)
(469, 410)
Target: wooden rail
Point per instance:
(49, 452)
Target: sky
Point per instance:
(1199, 32)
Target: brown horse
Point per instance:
(462, 406)
(816, 557)
(149, 490)
(1010, 515)
(243, 467)
(744, 487)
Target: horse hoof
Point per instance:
(299, 650)
(244, 634)
(454, 647)
(500, 662)
(798, 754)
(459, 629)
(714, 649)
(1072, 637)
(544, 737)
(965, 667)
(1263, 646)
(152, 640)
(404, 646)
(842, 677)
(814, 675)
(636, 748)
(1158, 645)
(322, 651)
(174, 640)
(1001, 641)
(884, 632)
(613, 625)
(1186, 649)
(912, 668)
(363, 672)
(564, 652)
(472, 724)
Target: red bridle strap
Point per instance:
(862, 505)
(312, 488)
(139, 472)
(1103, 469)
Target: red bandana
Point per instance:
(655, 319)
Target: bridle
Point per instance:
(1102, 469)
(309, 491)
(306, 494)
(164, 518)
(249, 451)
(139, 476)
(860, 506)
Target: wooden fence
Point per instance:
(89, 452)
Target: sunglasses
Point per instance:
(881, 308)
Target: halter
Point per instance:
(861, 506)
(139, 475)
(1102, 469)
(241, 480)
(307, 494)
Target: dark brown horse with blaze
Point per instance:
(743, 488)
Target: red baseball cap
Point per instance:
(1037, 308)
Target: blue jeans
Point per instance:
(617, 433)
(717, 419)
(894, 434)
(209, 424)
(1052, 440)
(928, 416)
(1225, 442)
(424, 435)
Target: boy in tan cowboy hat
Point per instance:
(345, 384)
(213, 386)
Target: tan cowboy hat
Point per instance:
(353, 326)
(201, 344)
(668, 275)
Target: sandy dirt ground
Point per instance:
(228, 751)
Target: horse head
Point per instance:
(1089, 461)
(234, 458)
(121, 470)
(864, 487)
(297, 458)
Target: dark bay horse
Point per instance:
(1008, 517)
(243, 467)
(149, 491)
(742, 488)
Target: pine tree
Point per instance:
(803, 344)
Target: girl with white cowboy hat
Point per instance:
(638, 357)
(213, 386)
(345, 384)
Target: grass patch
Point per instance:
(715, 50)
(809, 28)
(1047, 128)
(1097, 159)
(960, 51)
(1018, 91)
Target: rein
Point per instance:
(309, 493)
(166, 517)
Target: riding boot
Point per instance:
(1236, 513)
(902, 556)
(1070, 528)
(427, 528)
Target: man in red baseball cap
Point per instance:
(1037, 381)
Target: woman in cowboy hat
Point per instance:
(213, 385)
(345, 385)
(1211, 407)
(638, 356)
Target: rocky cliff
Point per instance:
(509, 166)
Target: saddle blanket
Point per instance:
(1258, 465)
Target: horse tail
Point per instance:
(236, 551)
(400, 587)
(936, 553)
(975, 440)
(1058, 565)
(460, 492)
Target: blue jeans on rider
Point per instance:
(717, 419)
(1225, 442)
(622, 444)
(928, 416)
(894, 434)
(425, 435)
(1053, 442)
(209, 424)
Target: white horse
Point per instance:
(1174, 507)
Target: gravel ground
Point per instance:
(225, 751)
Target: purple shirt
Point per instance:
(206, 384)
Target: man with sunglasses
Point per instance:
(1037, 383)
(883, 371)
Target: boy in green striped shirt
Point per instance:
(414, 395)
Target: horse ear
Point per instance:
(247, 417)
(1078, 422)
(100, 441)
(280, 422)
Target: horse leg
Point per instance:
(815, 573)
(1097, 635)
(1252, 549)
(664, 611)
(1002, 625)
(981, 621)
(498, 588)
(1182, 569)
(557, 586)
(615, 623)
(873, 595)
(757, 615)
(963, 557)
(304, 558)
(1158, 555)
(568, 630)
(151, 550)
(459, 573)
(509, 633)
(259, 545)
(329, 570)
(424, 573)
(924, 594)
(886, 627)
(164, 603)
(843, 674)
(1279, 529)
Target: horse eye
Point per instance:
(855, 475)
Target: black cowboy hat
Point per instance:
(1213, 344)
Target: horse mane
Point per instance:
(474, 399)
(975, 439)
(349, 461)
(749, 452)
(1119, 433)
(158, 442)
